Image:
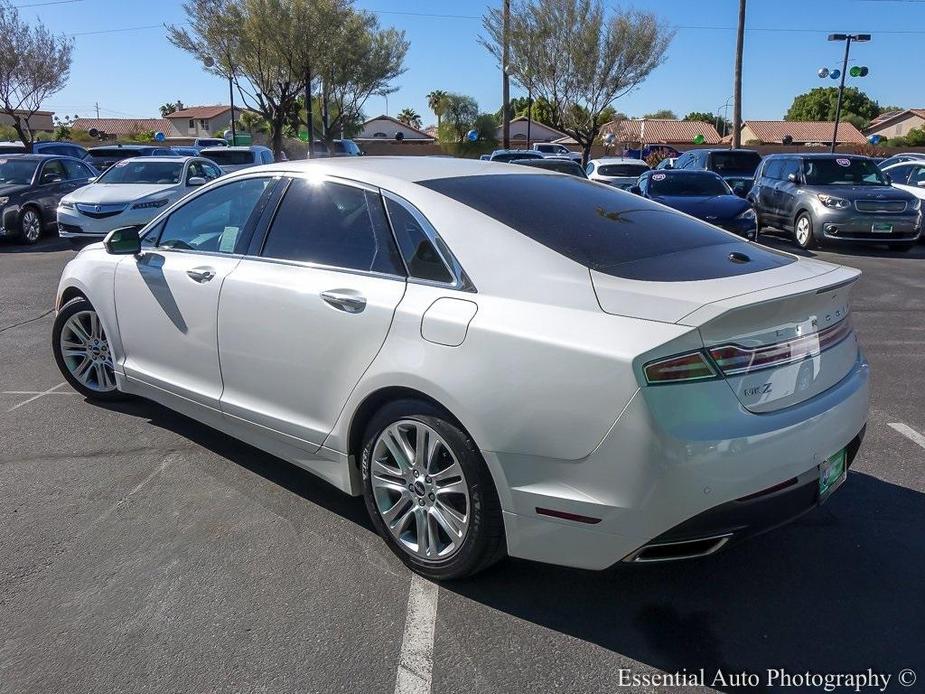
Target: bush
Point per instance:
(754, 142)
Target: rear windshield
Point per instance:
(117, 153)
(605, 229)
(143, 171)
(511, 156)
(842, 171)
(230, 157)
(622, 169)
(735, 162)
(687, 184)
(566, 166)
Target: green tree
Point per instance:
(889, 109)
(168, 108)
(435, 103)
(260, 45)
(820, 103)
(665, 113)
(721, 124)
(34, 64)
(459, 114)
(486, 124)
(410, 117)
(578, 56)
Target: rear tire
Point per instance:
(429, 492)
(803, 232)
(82, 351)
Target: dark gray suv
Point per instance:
(827, 198)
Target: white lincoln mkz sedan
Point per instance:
(501, 360)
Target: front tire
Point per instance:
(30, 225)
(803, 232)
(429, 493)
(82, 351)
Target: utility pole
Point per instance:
(737, 87)
(97, 104)
(847, 38)
(231, 100)
(505, 81)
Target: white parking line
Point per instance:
(908, 432)
(415, 665)
(50, 391)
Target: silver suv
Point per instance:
(827, 198)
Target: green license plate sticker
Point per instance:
(882, 228)
(832, 472)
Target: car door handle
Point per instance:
(344, 300)
(201, 274)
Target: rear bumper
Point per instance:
(724, 525)
(673, 466)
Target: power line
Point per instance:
(48, 2)
(116, 31)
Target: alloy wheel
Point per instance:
(803, 231)
(31, 226)
(86, 352)
(420, 490)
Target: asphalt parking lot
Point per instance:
(143, 552)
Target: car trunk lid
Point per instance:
(779, 336)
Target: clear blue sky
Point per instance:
(130, 73)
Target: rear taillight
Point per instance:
(692, 366)
(735, 360)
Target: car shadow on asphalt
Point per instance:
(288, 476)
(838, 591)
(46, 244)
(783, 241)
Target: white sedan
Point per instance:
(130, 192)
(620, 172)
(908, 176)
(585, 379)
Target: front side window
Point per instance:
(918, 176)
(790, 166)
(76, 171)
(334, 225)
(421, 257)
(900, 174)
(143, 171)
(53, 172)
(846, 171)
(215, 220)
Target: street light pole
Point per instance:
(231, 99)
(847, 38)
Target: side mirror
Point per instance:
(921, 184)
(92, 179)
(636, 190)
(196, 181)
(792, 177)
(123, 241)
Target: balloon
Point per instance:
(874, 139)
(399, 136)
(835, 74)
(472, 135)
(699, 139)
(609, 139)
(159, 136)
(823, 72)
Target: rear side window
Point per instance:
(607, 230)
(422, 259)
(335, 225)
(773, 169)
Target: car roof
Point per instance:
(725, 149)
(911, 162)
(129, 147)
(35, 157)
(178, 159)
(388, 169)
(684, 172)
(618, 160)
(237, 148)
(817, 155)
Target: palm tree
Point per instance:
(410, 117)
(435, 100)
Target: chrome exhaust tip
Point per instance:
(682, 549)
